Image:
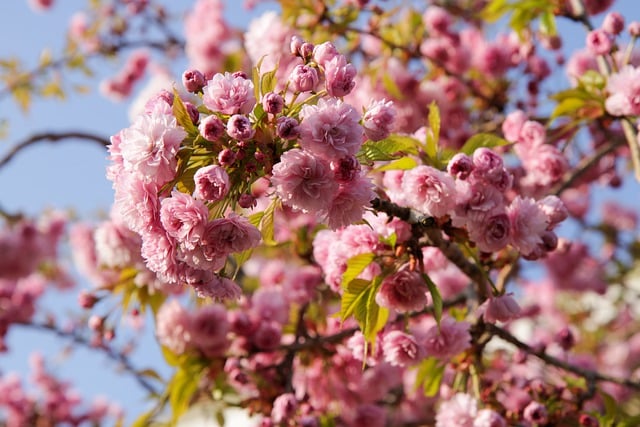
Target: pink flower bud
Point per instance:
(306, 50)
(379, 119)
(536, 413)
(499, 309)
(226, 157)
(211, 128)
(634, 29)
(304, 78)
(613, 23)
(460, 166)
(95, 322)
(239, 127)
(193, 81)
(287, 128)
(247, 201)
(324, 53)
(87, 299)
(296, 43)
(273, 103)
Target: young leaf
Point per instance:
(181, 389)
(403, 163)
(268, 82)
(429, 376)
(355, 265)
(353, 298)
(436, 297)
(482, 140)
(182, 116)
(433, 134)
(388, 148)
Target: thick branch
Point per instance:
(431, 230)
(550, 360)
(117, 357)
(51, 137)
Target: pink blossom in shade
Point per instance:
(173, 327)
(446, 341)
(304, 78)
(350, 202)
(346, 169)
(229, 94)
(536, 412)
(379, 119)
(184, 218)
(545, 165)
(624, 92)
(555, 210)
(460, 411)
(193, 80)
(304, 181)
(460, 166)
(403, 291)
(270, 304)
(211, 128)
(209, 328)
(491, 231)
(499, 309)
(330, 129)
(489, 418)
(599, 42)
(528, 223)
(287, 128)
(273, 103)
(572, 267)
(339, 76)
(429, 190)
(284, 407)
(210, 285)
(400, 349)
(385, 226)
(512, 125)
(487, 165)
(221, 237)
(267, 336)
(369, 415)
(150, 145)
(212, 183)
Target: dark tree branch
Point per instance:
(51, 137)
(587, 374)
(430, 229)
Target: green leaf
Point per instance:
(548, 23)
(391, 87)
(487, 140)
(389, 148)
(375, 317)
(567, 106)
(429, 376)
(436, 297)
(355, 265)
(495, 10)
(268, 82)
(353, 297)
(181, 389)
(593, 79)
(403, 163)
(433, 134)
(181, 114)
(267, 223)
(143, 420)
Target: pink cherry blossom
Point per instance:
(350, 202)
(378, 121)
(212, 183)
(400, 349)
(528, 224)
(429, 190)
(304, 182)
(229, 94)
(184, 218)
(330, 129)
(502, 308)
(447, 340)
(624, 92)
(173, 327)
(460, 411)
(403, 291)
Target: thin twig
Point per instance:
(52, 137)
(76, 338)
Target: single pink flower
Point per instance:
(403, 291)
(229, 94)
